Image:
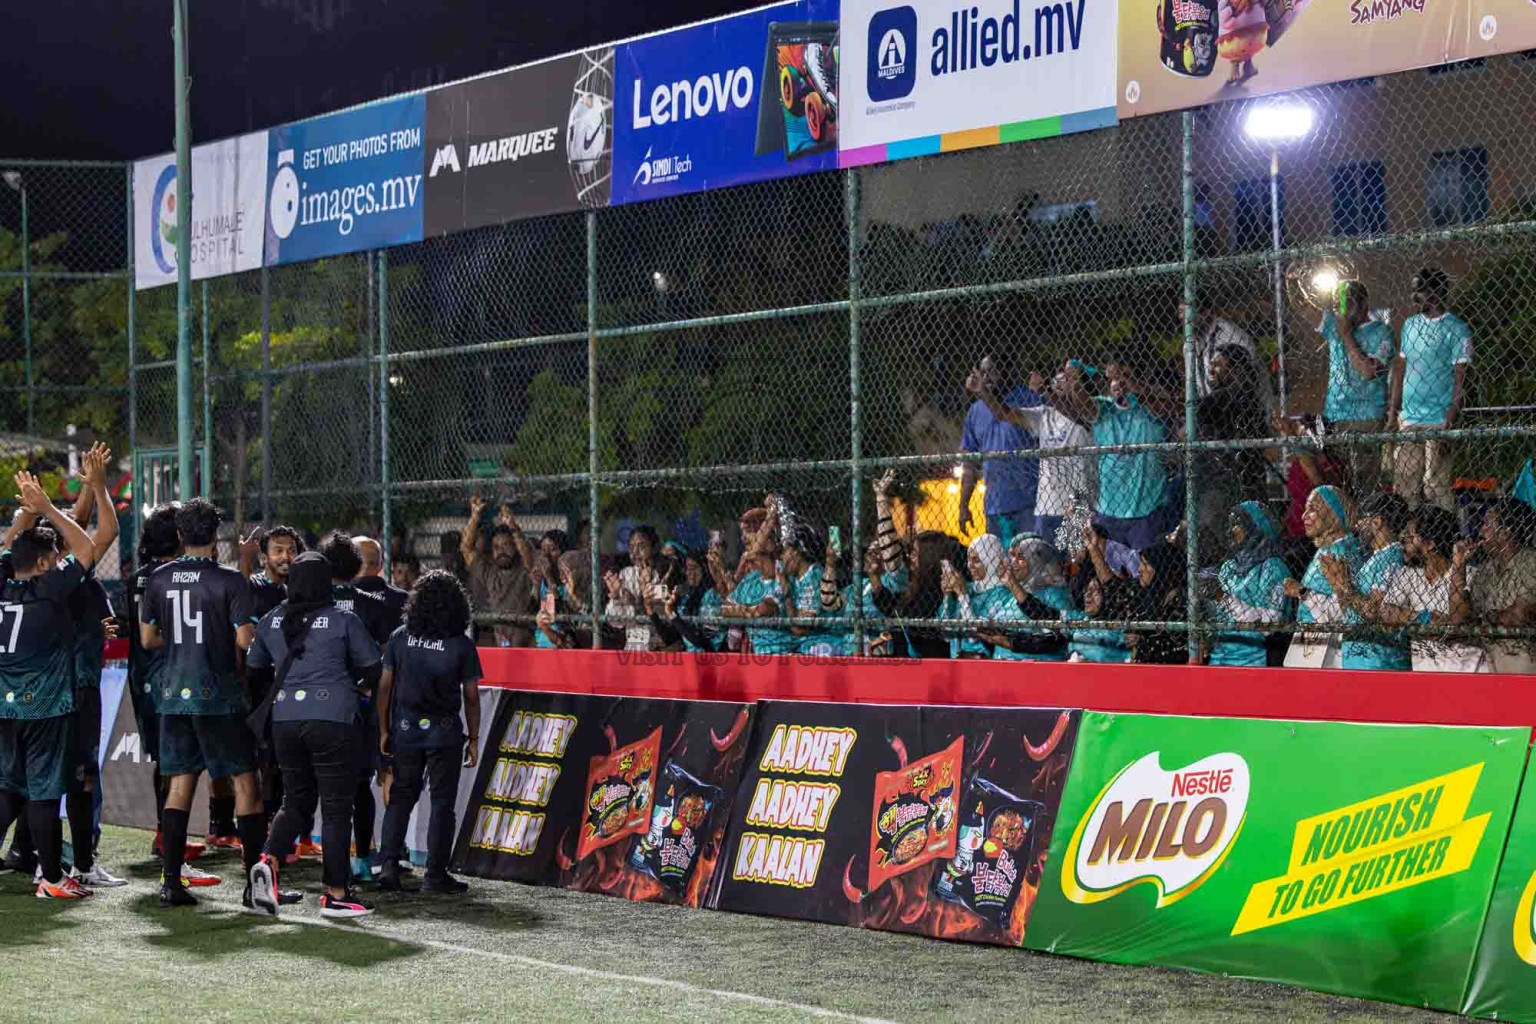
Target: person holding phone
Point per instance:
(431, 670)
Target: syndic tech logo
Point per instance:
(892, 54)
(660, 170)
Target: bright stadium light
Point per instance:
(1325, 281)
(1278, 122)
(659, 281)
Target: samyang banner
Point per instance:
(929, 820)
(1355, 859)
(620, 795)
(743, 98)
(345, 182)
(1503, 984)
(939, 75)
(527, 142)
(229, 206)
(1187, 53)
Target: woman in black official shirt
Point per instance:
(319, 651)
(429, 664)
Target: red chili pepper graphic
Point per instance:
(849, 889)
(901, 751)
(1043, 751)
(980, 753)
(731, 737)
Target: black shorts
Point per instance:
(86, 753)
(222, 745)
(147, 718)
(35, 756)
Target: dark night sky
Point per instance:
(92, 79)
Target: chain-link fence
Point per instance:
(1177, 374)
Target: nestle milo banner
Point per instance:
(1355, 859)
(1503, 984)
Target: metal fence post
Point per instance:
(26, 309)
(594, 530)
(133, 373)
(266, 394)
(384, 495)
(184, 261)
(207, 474)
(1191, 397)
(851, 201)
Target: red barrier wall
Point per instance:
(1407, 697)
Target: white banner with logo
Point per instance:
(938, 75)
(229, 203)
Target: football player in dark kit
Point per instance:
(200, 612)
(340, 550)
(428, 665)
(278, 547)
(319, 652)
(37, 733)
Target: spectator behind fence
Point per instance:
(982, 596)
(1132, 485)
(1361, 591)
(1065, 481)
(1326, 519)
(503, 577)
(757, 595)
(1161, 597)
(405, 570)
(645, 576)
(1252, 587)
(1035, 574)
(1009, 504)
(694, 597)
(1428, 385)
(1360, 350)
(1230, 411)
(800, 578)
(1213, 333)
(924, 595)
(1420, 594)
(571, 597)
(885, 580)
(1099, 593)
(1497, 592)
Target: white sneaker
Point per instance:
(98, 878)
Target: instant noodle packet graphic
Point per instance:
(620, 786)
(996, 844)
(680, 818)
(914, 814)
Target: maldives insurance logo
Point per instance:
(1169, 829)
(892, 54)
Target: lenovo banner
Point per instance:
(744, 98)
(1355, 859)
(933, 76)
(625, 796)
(531, 141)
(345, 182)
(934, 821)
(1186, 53)
(229, 203)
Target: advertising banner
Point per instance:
(229, 202)
(528, 142)
(933, 76)
(934, 821)
(345, 182)
(739, 99)
(1355, 859)
(625, 796)
(1186, 53)
(1503, 984)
